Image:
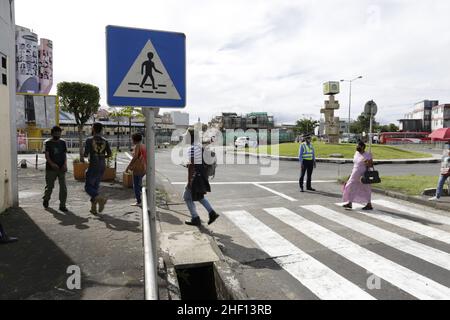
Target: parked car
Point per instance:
(245, 142)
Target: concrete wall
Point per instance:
(8, 146)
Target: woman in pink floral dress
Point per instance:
(355, 190)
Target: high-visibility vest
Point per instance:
(308, 152)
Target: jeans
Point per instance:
(137, 187)
(191, 205)
(93, 177)
(440, 188)
(50, 178)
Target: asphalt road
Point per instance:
(284, 244)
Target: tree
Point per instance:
(362, 124)
(388, 128)
(306, 126)
(82, 100)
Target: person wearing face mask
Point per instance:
(56, 168)
(355, 190)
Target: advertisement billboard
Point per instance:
(41, 111)
(27, 60)
(45, 66)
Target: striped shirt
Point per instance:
(196, 152)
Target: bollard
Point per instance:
(37, 159)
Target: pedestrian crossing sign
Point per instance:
(146, 68)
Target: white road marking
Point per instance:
(413, 226)
(258, 182)
(405, 279)
(413, 211)
(321, 280)
(424, 252)
(275, 192)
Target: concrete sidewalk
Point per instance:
(107, 248)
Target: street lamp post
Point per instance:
(350, 103)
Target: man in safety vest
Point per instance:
(307, 158)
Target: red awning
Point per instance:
(441, 134)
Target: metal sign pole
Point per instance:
(150, 146)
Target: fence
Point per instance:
(32, 145)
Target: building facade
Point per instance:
(180, 119)
(9, 195)
(233, 121)
(423, 111)
(440, 117)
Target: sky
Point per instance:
(267, 55)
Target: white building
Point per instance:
(180, 119)
(440, 117)
(8, 143)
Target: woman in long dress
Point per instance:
(355, 190)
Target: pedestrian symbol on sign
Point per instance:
(149, 66)
(134, 85)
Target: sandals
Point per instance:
(347, 206)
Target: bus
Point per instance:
(404, 137)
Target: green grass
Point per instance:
(347, 150)
(411, 185)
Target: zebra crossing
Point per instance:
(319, 223)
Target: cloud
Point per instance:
(272, 56)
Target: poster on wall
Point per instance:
(37, 110)
(27, 66)
(45, 66)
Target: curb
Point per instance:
(400, 196)
(227, 285)
(340, 160)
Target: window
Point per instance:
(3, 70)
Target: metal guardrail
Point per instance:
(150, 265)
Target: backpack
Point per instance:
(210, 165)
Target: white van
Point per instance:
(245, 142)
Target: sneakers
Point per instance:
(368, 208)
(45, 204)
(4, 239)
(196, 222)
(63, 209)
(101, 203)
(311, 189)
(137, 204)
(212, 217)
(434, 199)
(94, 207)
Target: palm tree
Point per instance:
(127, 112)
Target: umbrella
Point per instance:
(441, 134)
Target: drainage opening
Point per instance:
(197, 282)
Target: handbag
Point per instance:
(139, 167)
(370, 177)
(445, 172)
